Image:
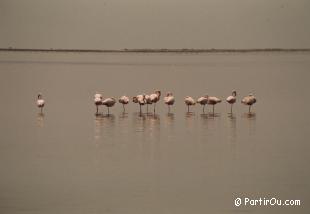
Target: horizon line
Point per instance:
(158, 50)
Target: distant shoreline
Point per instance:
(158, 50)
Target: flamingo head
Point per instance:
(158, 92)
(39, 95)
(97, 94)
(234, 93)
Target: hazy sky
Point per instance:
(118, 24)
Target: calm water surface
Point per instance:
(68, 160)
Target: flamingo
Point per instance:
(140, 99)
(232, 99)
(148, 102)
(155, 98)
(213, 101)
(40, 102)
(203, 101)
(123, 100)
(169, 100)
(97, 100)
(189, 101)
(249, 100)
(109, 102)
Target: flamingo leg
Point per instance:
(108, 111)
(168, 108)
(249, 109)
(187, 108)
(213, 109)
(97, 109)
(147, 108)
(123, 108)
(203, 109)
(41, 110)
(140, 110)
(154, 107)
(231, 105)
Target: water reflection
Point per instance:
(123, 116)
(154, 123)
(210, 114)
(123, 125)
(147, 135)
(152, 148)
(232, 135)
(251, 121)
(169, 126)
(204, 116)
(208, 124)
(169, 119)
(189, 114)
(139, 121)
(249, 115)
(40, 120)
(190, 121)
(104, 123)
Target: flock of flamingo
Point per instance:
(144, 99)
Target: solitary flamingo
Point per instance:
(140, 99)
(213, 101)
(232, 99)
(189, 101)
(109, 102)
(249, 100)
(123, 100)
(155, 98)
(40, 102)
(98, 101)
(169, 100)
(203, 101)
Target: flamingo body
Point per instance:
(140, 99)
(40, 102)
(189, 101)
(148, 99)
(169, 100)
(97, 101)
(155, 98)
(109, 102)
(203, 101)
(249, 100)
(232, 99)
(123, 100)
(213, 101)
(148, 102)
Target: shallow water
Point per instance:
(68, 160)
